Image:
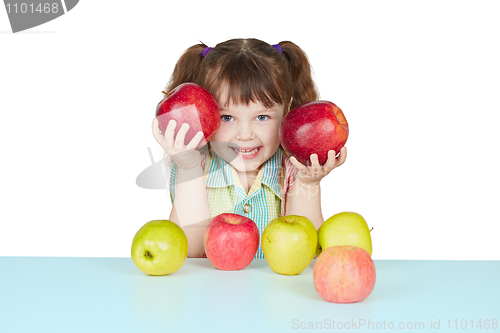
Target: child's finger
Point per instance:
(169, 133)
(156, 132)
(181, 135)
(330, 162)
(314, 167)
(195, 141)
(301, 167)
(314, 160)
(342, 157)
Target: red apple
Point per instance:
(313, 128)
(344, 274)
(190, 103)
(231, 241)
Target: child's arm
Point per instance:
(305, 196)
(190, 208)
(305, 200)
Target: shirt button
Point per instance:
(247, 208)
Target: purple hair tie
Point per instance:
(278, 47)
(205, 51)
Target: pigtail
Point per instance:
(187, 67)
(303, 87)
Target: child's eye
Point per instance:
(262, 117)
(226, 118)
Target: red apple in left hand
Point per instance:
(190, 103)
(231, 241)
(313, 128)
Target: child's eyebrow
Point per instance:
(256, 111)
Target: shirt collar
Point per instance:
(220, 172)
(272, 169)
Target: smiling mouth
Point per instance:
(246, 152)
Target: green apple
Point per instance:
(345, 228)
(159, 247)
(289, 244)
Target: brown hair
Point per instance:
(252, 70)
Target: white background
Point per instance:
(419, 83)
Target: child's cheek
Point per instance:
(221, 133)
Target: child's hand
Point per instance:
(312, 175)
(186, 156)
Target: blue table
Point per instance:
(45, 294)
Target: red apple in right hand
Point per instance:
(190, 103)
(344, 274)
(314, 128)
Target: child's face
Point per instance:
(248, 136)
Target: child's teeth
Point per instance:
(247, 152)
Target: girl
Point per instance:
(244, 169)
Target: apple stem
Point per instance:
(371, 229)
(281, 216)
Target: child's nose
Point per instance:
(244, 132)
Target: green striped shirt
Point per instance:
(266, 197)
